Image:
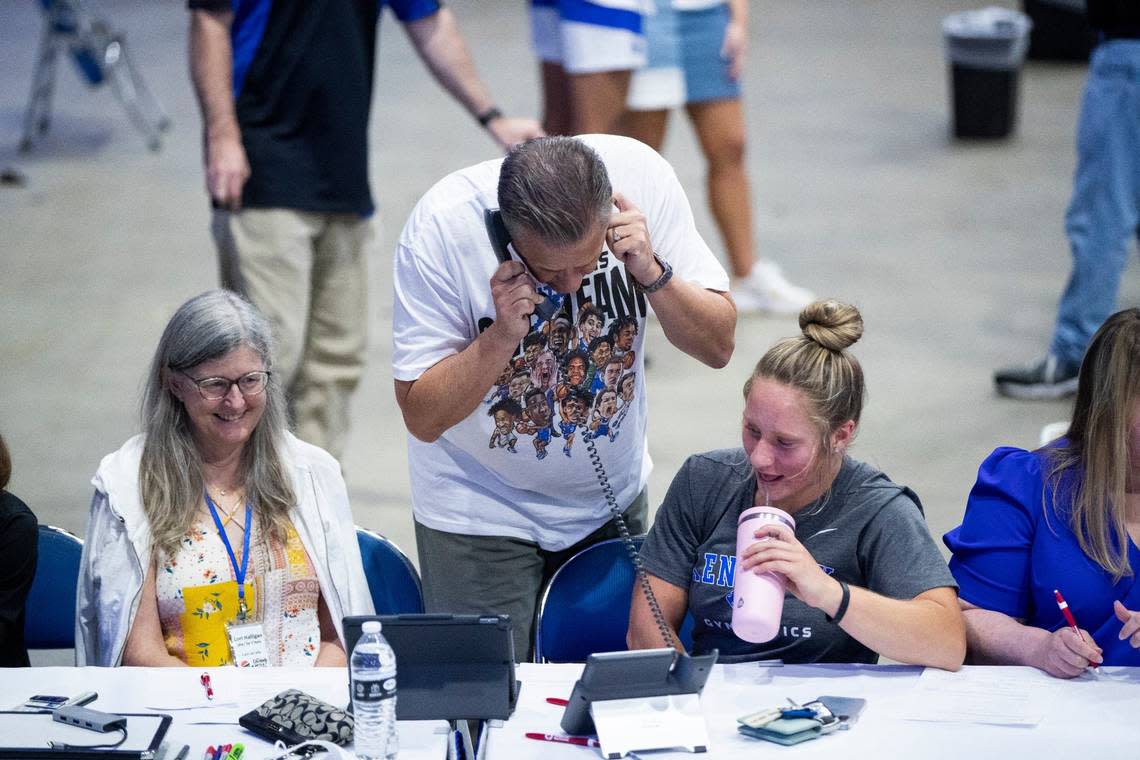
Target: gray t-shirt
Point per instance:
(866, 531)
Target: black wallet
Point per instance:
(294, 717)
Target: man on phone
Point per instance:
(599, 223)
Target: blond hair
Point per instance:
(817, 364)
(1088, 475)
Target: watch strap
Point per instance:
(660, 282)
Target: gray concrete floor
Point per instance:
(955, 253)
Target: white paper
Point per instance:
(1007, 696)
(175, 703)
(235, 693)
(256, 685)
(646, 723)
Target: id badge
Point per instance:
(246, 636)
(247, 643)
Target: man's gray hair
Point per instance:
(171, 483)
(556, 188)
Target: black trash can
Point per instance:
(985, 50)
(1061, 30)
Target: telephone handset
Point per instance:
(501, 241)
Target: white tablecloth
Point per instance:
(1091, 717)
(125, 690)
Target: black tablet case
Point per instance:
(629, 675)
(448, 667)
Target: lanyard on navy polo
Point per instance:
(239, 573)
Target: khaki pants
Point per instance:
(497, 575)
(307, 273)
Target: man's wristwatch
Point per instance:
(488, 116)
(660, 282)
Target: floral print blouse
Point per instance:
(197, 595)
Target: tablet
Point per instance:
(448, 667)
(628, 675)
(26, 735)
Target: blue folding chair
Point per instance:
(585, 607)
(392, 578)
(50, 619)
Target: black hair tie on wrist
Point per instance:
(839, 613)
(488, 116)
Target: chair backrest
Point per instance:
(392, 578)
(585, 607)
(50, 619)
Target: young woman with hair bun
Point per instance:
(864, 577)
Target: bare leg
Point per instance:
(647, 126)
(557, 115)
(599, 101)
(720, 129)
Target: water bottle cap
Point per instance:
(371, 626)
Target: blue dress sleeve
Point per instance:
(992, 547)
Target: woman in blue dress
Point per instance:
(1063, 518)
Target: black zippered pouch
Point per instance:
(294, 717)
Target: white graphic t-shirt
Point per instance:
(520, 465)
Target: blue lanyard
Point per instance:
(239, 573)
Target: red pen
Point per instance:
(557, 701)
(1064, 607)
(1068, 615)
(580, 741)
(205, 679)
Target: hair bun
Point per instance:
(832, 324)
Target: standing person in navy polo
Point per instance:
(284, 88)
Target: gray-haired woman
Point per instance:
(216, 536)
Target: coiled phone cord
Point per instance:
(642, 577)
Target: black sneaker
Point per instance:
(1048, 378)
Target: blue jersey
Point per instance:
(302, 83)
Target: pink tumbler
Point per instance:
(757, 599)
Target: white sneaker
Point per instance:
(766, 289)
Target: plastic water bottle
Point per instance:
(758, 600)
(373, 669)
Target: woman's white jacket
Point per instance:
(118, 547)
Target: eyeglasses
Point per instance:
(214, 388)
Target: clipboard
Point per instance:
(26, 735)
